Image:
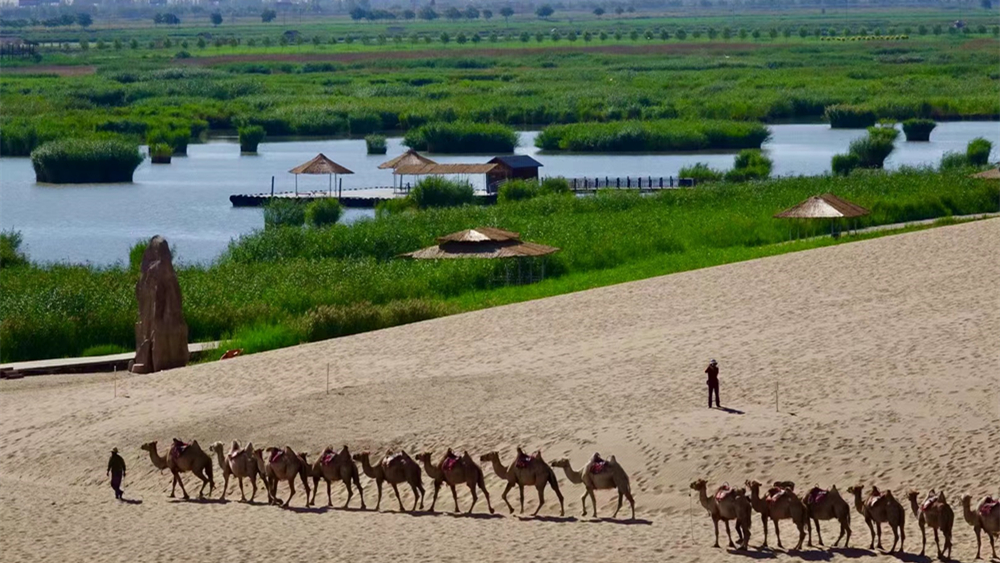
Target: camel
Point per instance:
(599, 474)
(336, 466)
(828, 505)
(394, 469)
(760, 504)
(239, 462)
(725, 505)
(455, 470)
(284, 465)
(784, 504)
(985, 518)
(936, 513)
(881, 507)
(181, 459)
(526, 471)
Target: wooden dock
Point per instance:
(90, 364)
(641, 183)
(259, 200)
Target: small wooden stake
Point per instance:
(114, 377)
(327, 378)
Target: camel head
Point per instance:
(360, 456)
(856, 489)
(967, 500)
(912, 495)
(425, 457)
(216, 448)
(489, 457)
(699, 485)
(752, 485)
(149, 447)
(563, 462)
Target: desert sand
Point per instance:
(883, 356)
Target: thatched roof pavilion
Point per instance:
(408, 158)
(481, 242)
(992, 174)
(825, 206)
(319, 164)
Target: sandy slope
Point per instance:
(886, 353)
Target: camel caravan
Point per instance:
(275, 465)
(876, 507)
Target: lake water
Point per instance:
(188, 201)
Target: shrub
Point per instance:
(376, 144)
(662, 135)
(394, 206)
(978, 152)
(261, 338)
(872, 150)
(160, 153)
(282, 212)
(517, 190)
(330, 321)
(844, 164)
(700, 172)
(435, 191)
(250, 137)
(750, 165)
(843, 116)
(104, 350)
(177, 138)
(323, 212)
(918, 129)
(554, 185)
(951, 161)
(10, 249)
(462, 137)
(81, 161)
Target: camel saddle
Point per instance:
(177, 449)
(276, 455)
(775, 493)
(524, 460)
(450, 461)
(816, 495)
(235, 454)
(875, 497)
(988, 505)
(392, 458)
(724, 491)
(928, 502)
(327, 457)
(597, 464)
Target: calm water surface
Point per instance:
(188, 201)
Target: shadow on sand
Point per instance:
(621, 522)
(729, 410)
(852, 552)
(753, 553)
(558, 519)
(130, 501)
(199, 500)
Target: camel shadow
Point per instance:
(911, 557)
(810, 555)
(349, 509)
(729, 410)
(130, 501)
(628, 522)
(754, 553)
(852, 552)
(473, 515)
(559, 519)
(199, 500)
(307, 509)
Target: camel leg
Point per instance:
(631, 505)
(777, 533)
(243, 496)
(350, 492)
(437, 488)
(361, 492)
(593, 501)
(541, 497)
(399, 500)
(520, 488)
(253, 481)
(475, 498)
(729, 534)
(802, 534)
(583, 500)
(180, 482)
(923, 538)
(937, 544)
(379, 501)
(878, 535)
(454, 495)
(329, 493)
(715, 522)
(482, 485)
(763, 520)
(173, 485)
(902, 537)
(510, 486)
(225, 484)
(200, 473)
(291, 487)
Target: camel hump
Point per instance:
(612, 459)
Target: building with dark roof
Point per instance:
(511, 167)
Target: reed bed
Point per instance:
(86, 161)
(652, 136)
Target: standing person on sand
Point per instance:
(713, 382)
(116, 468)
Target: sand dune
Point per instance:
(884, 355)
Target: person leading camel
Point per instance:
(713, 382)
(526, 471)
(828, 505)
(599, 474)
(724, 505)
(116, 469)
(936, 513)
(985, 517)
(455, 470)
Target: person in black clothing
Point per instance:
(116, 469)
(713, 382)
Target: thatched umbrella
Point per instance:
(408, 158)
(319, 165)
(485, 243)
(825, 206)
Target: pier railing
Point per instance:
(642, 183)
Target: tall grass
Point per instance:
(462, 137)
(279, 277)
(10, 249)
(375, 144)
(436, 191)
(978, 152)
(843, 116)
(85, 161)
(918, 129)
(665, 135)
(250, 137)
(284, 212)
(323, 212)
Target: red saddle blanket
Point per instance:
(450, 462)
(988, 506)
(723, 491)
(927, 503)
(774, 494)
(327, 458)
(178, 448)
(524, 460)
(276, 455)
(816, 495)
(598, 466)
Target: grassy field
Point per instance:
(286, 285)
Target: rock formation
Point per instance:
(161, 335)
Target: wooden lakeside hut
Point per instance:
(319, 164)
(408, 158)
(523, 262)
(824, 207)
(511, 167)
